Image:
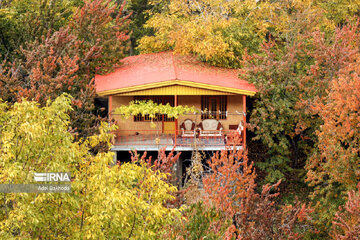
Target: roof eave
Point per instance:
(177, 82)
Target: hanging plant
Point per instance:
(152, 109)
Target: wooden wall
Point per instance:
(234, 103)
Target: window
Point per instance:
(214, 107)
(159, 100)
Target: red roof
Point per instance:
(166, 66)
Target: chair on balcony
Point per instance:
(210, 128)
(188, 128)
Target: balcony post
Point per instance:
(176, 120)
(109, 113)
(114, 159)
(244, 119)
(110, 106)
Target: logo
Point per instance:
(52, 177)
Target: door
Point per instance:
(215, 106)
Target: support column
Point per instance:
(110, 103)
(244, 120)
(176, 120)
(110, 106)
(114, 159)
(179, 172)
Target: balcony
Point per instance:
(153, 140)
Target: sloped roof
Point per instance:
(165, 68)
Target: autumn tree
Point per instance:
(276, 73)
(346, 224)
(340, 12)
(24, 21)
(219, 31)
(333, 169)
(231, 188)
(124, 201)
(66, 61)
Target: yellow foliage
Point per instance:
(106, 202)
(219, 31)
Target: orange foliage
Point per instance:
(335, 167)
(231, 189)
(164, 163)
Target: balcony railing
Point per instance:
(137, 139)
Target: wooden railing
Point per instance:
(150, 137)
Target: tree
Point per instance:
(219, 31)
(23, 21)
(340, 11)
(124, 201)
(199, 222)
(333, 169)
(276, 73)
(346, 224)
(306, 112)
(140, 12)
(66, 61)
(230, 187)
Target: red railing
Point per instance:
(156, 138)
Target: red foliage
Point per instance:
(164, 163)
(329, 56)
(346, 224)
(335, 167)
(232, 179)
(66, 61)
(231, 189)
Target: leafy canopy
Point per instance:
(219, 31)
(106, 202)
(65, 59)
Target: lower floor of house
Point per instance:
(181, 168)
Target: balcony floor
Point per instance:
(155, 142)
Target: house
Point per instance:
(164, 78)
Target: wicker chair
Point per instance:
(210, 128)
(188, 128)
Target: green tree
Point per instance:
(23, 21)
(140, 12)
(276, 73)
